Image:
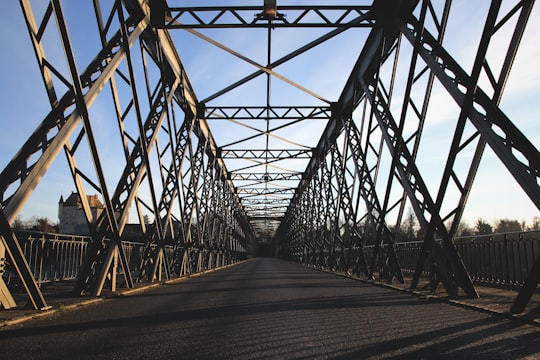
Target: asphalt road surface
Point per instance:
(270, 309)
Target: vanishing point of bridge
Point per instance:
(292, 170)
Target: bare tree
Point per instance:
(42, 224)
(535, 224)
(146, 219)
(18, 223)
(410, 225)
(464, 229)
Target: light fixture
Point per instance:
(270, 9)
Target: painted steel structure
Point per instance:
(494, 260)
(213, 211)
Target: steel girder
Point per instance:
(329, 204)
(269, 153)
(448, 264)
(154, 259)
(345, 222)
(252, 194)
(264, 113)
(101, 252)
(171, 17)
(53, 134)
(286, 58)
(383, 257)
(421, 200)
(270, 175)
(429, 61)
(70, 121)
(376, 49)
(483, 112)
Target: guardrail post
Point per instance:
(6, 300)
(507, 267)
(114, 268)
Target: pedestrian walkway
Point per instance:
(497, 300)
(59, 296)
(271, 309)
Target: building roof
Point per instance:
(74, 201)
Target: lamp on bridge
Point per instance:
(270, 9)
(270, 12)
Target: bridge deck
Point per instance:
(267, 308)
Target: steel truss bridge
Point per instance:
(216, 200)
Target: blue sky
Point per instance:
(324, 70)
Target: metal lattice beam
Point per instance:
(266, 113)
(172, 17)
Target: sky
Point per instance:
(324, 70)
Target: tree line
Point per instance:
(35, 223)
(411, 230)
(482, 227)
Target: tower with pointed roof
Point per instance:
(71, 214)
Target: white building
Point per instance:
(71, 215)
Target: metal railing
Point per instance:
(500, 259)
(492, 260)
(58, 257)
(51, 257)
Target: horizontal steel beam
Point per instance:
(254, 17)
(266, 176)
(268, 202)
(265, 207)
(266, 154)
(260, 191)
(268, 113)
(265, 218)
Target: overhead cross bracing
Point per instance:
(276, 148)
(310, 128)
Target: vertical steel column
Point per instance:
(386, 258)
(345, 209)
(421, 199)
(311, 212)
(318, 222)
(466, 107)
(190, 214)
(219, 214)
(150, 261)
(205, 216)
(211, 226)
(331, 212)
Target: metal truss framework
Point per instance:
(243, 16)
(215, 212)
(318, 226)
